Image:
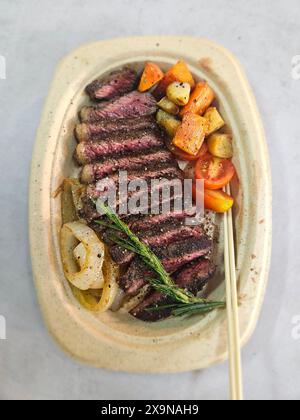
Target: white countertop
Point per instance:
(34, 35)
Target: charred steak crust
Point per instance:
(163, 235)
(193, 277)
(93, 172)
(101, 130)
(115, 84)
(140, 142)
(134, 104)
(173, 257)
(162, 173)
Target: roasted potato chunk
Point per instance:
(168, 122)
(220, 145)
(179, 93)
(214, 119)
(168, 106)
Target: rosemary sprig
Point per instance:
(181, 309)
(185, 302)
(107, 225)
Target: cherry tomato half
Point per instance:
(215, 172)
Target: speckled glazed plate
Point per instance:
(116, 340)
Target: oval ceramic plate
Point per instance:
(116, 340)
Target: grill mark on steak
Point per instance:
(88, 152)
(164, 173)
(93, 172)
(115, 84)
(172, 257)
(192, 277)
(162, 236)
(134, 104)
(103, 129)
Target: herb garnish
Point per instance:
(185, 303)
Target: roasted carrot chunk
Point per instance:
(177, 73)
(217, 201)
(200, 99)
(152, 74)
(191, 133)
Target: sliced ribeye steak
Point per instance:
(172, 257)
(115, 84)
(106, 128)
(193, 277)
(136, 143)
(134, 104)
(92, 172)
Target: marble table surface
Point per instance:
(34, 35)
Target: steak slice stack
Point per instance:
(173, 256)
(193, 277)
(161, 235)
(120, 134)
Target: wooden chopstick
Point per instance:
(234, 347)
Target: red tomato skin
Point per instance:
(216, 183)
(180, 154)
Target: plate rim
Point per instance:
(37, 173)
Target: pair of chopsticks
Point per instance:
(234, 347)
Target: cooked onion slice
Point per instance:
(80, 255)
(85, 272)
(94, 300)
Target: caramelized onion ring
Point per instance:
(88, 274)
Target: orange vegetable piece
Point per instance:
(200, 99)
(191, 133)
(177, 73)
(217, 201)
(152, 74)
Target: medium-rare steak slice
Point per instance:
(162, 236)
(182, 252)
(135, 277)
(171, 172)
(172, 257)
(92, 172)
(115, 84)
(103, 129)
(137, 143)
(134, 104)
(192, 277)
(142, 217)
(148, 222)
